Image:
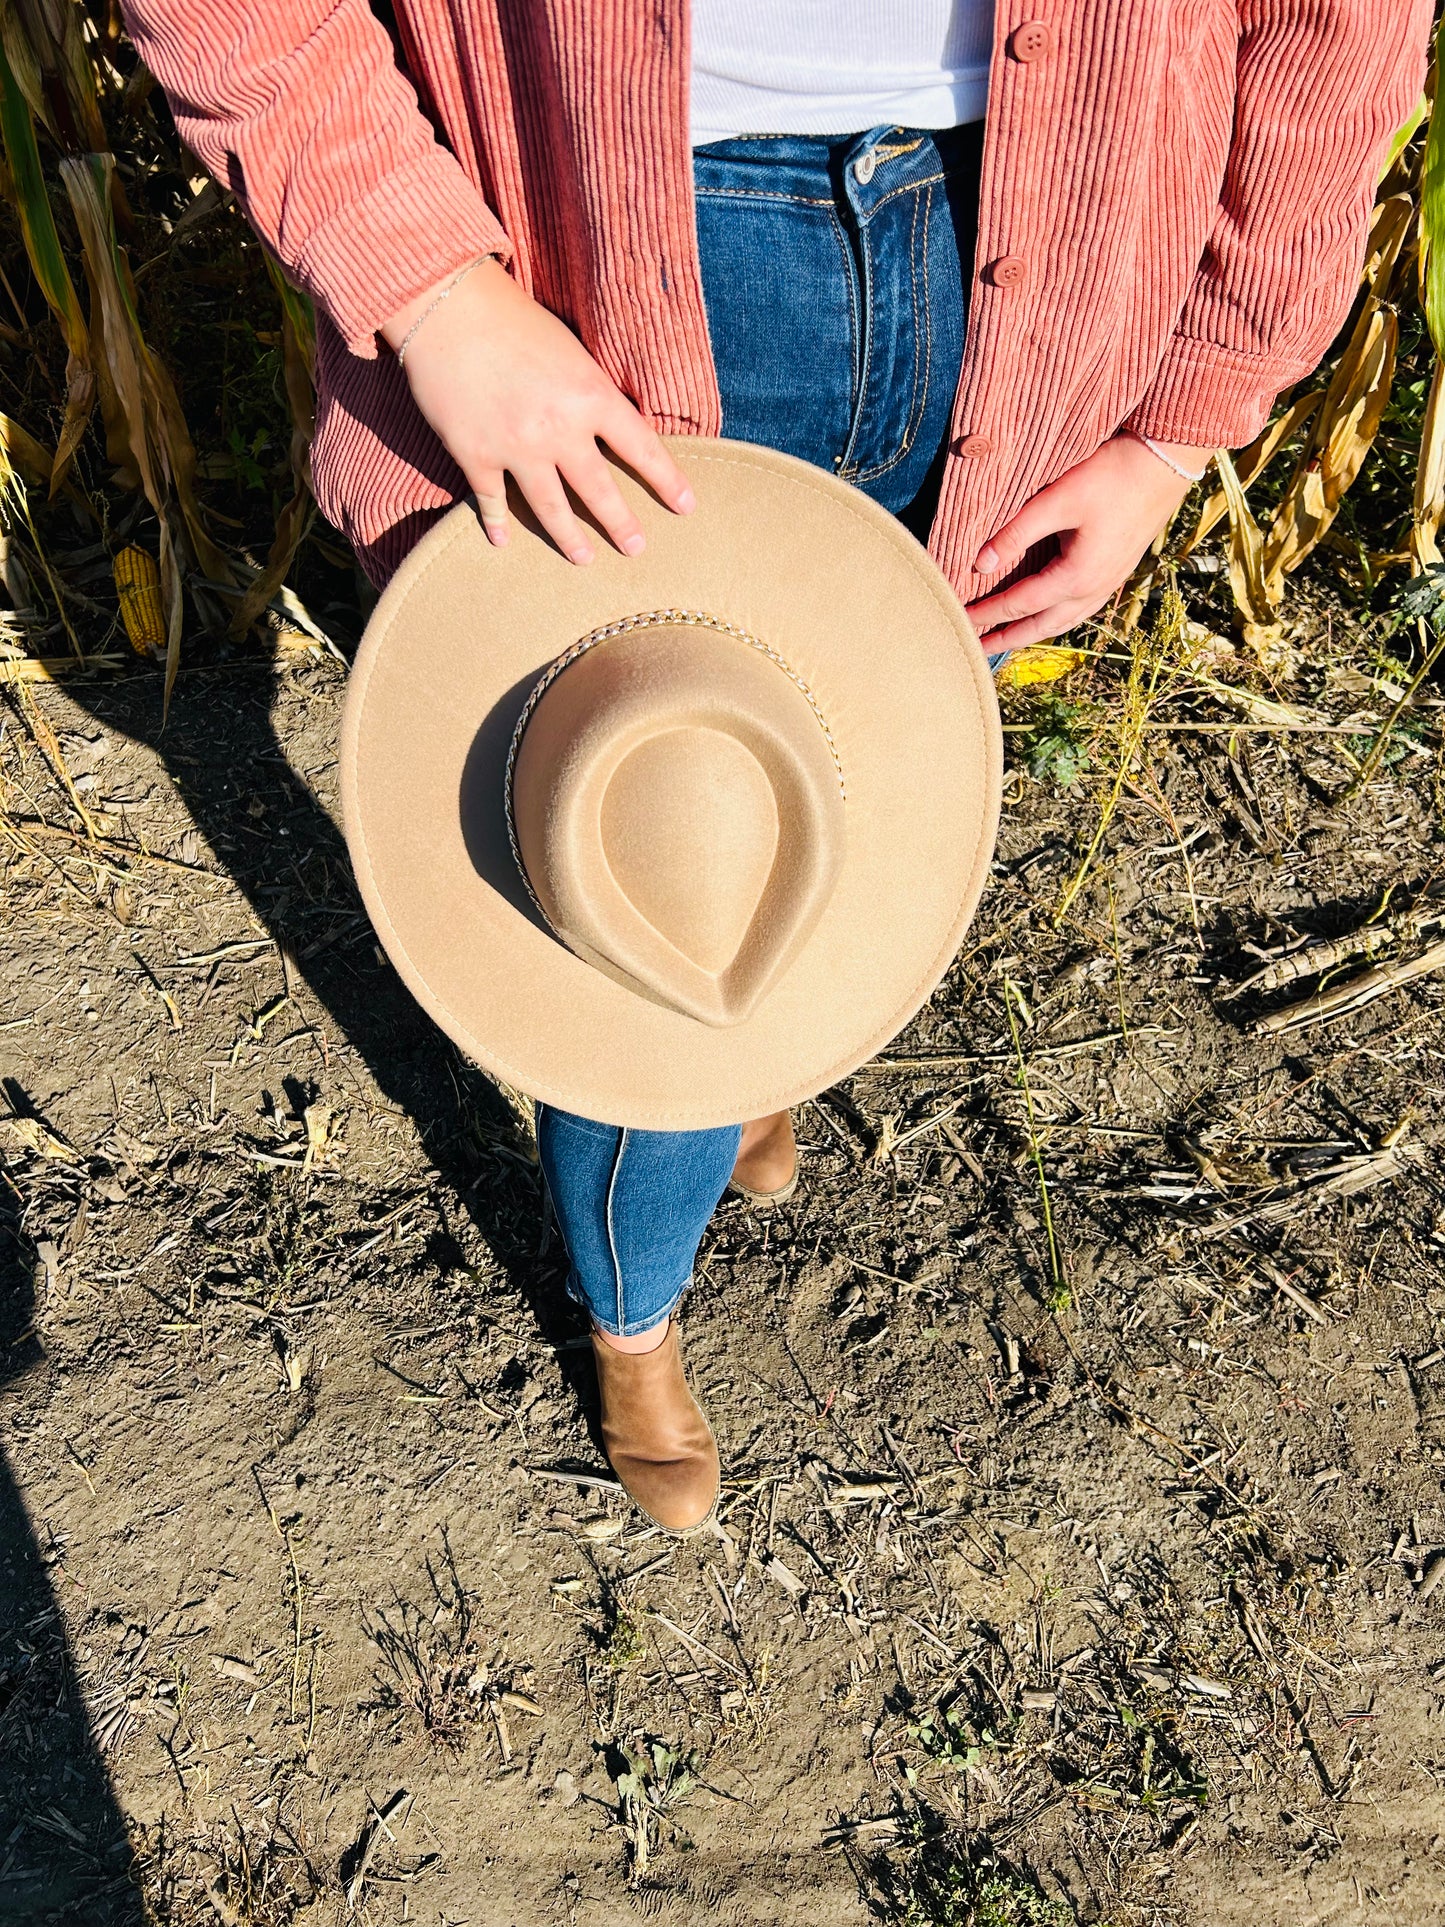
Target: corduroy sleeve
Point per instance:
(1321, 87)
(299, 106)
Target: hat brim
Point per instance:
(854, 605)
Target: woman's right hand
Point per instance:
(510, 390)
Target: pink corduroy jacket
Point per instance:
(1187, 184)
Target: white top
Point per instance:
(836, 66)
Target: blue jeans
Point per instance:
(835, 273)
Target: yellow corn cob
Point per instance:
(1043, 663)
(138, 590)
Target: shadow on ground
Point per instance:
(63, 1850)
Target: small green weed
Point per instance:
(652, 1779)
(1162, 1771)
(1008, 1902)
(949, 1893)
(1056, 746)
(952, 1740)
(624, 1642)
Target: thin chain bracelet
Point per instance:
(1188, 474)
(436, 301)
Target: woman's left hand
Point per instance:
(1105, 513)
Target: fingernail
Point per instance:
(686, 502)
(580, 556)
(634, 544)
(499, 535)
(987, 559)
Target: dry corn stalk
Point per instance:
(45, 48)
(1430, 478)
(298, 362)
(1349, 416)
(1352, 995)
(1251, 462)
(15, 669)
(1345, 428)
(17, 452)
(47, 260)
(1314, 959)
(1262, 628)
(147, 431)
(1343, 422)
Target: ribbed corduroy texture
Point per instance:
(1187, 183)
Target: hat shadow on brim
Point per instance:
(482, 805)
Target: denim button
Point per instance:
(865, 166)
(1032, 41)
(973, 445)
(1009, 271)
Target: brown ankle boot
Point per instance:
(766, 1171)
(656, 1434)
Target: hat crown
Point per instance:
(692, 806)
(678, 812)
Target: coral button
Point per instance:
(1032, 41)
(973, 445)
(1008, 271)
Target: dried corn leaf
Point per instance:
(48, 744)
(30, 458)
(15, 506)
(1389, 231)
(138, 591)
(16, 669)
(85, 179)
(1430, 477)
(145, 421)
(1251, 462)
(132, 416)
(43, 42)
(1345, 428)
(36, 1136)
(298, 361)
(47, 261)
(1260, 709)
(1262, 628)
(1343, 425)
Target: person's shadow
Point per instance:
(64, 1852)
(63, 1849)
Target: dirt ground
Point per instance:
(1100, 1587)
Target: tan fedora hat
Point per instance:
(678, 840)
